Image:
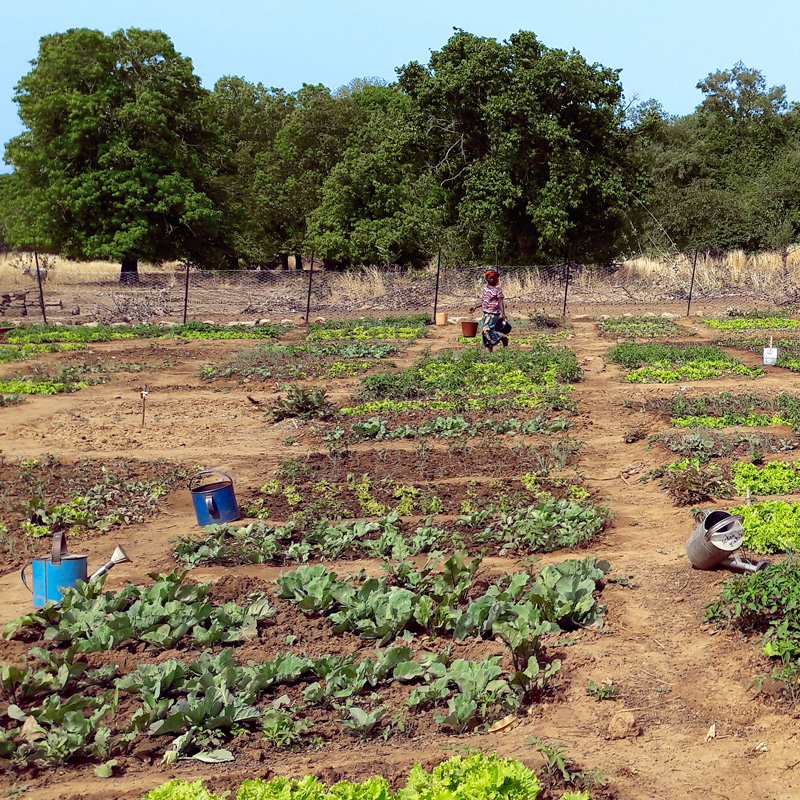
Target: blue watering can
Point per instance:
(50, 575)
(214, 501)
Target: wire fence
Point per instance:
(183, 293)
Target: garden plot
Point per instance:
(283, 659)
(85, 498)
(642, 328)
(669, 363)
(424, 679)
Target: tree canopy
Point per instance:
(728, 175)
(493, 150)
(117, 162)
(529, 143)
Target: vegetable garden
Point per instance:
(445, 555)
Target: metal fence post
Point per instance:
(436, 292)
(566, 289)
(39, 281)
(691, 284)
(308, 297)
(186, 292)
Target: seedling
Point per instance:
(604, 691)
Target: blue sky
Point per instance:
(663, 47)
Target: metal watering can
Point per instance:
(50, 576)
(214, 501)
(716, 541)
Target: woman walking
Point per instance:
(494, 311)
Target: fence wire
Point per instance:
(162, 294)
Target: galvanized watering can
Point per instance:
(716, 541)
(214, 501)
(51, 576)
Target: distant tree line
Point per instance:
(494, 151)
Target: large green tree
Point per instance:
(727, 175)
(379, 204)
(529, 145)
(120, 159)
(250, 117)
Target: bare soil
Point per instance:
(678, 676)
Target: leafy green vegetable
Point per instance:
(159, 615)
(772, 526)
(181, 790)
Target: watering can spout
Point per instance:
(118, 557)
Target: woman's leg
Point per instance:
(489, 334)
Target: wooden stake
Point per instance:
(143, 394)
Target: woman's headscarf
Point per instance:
(490, 273)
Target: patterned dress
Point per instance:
(491, 307)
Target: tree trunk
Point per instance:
(298, 261)
(129, 274)
(284, 261)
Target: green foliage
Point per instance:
(717, 405)
(772, 526)
(674, 362)
(181, 790)
(519, 611)
(113, 500)
(12, 352)
(508, 152)
(471, 374)
(472, 777)
(546, 526)
(159, 616)
(605, 691)
(302, 402)
(479, 776)
(10, 400)
(453, 426)
(749, 323)
(777, 477)
(688, 482)
(39, 386)
(419, 320)
(30, 334)
(63, 730)
(766, 602)
(379, 205)
(365, 333)
(561, 771)
(701, 445)
(729, 420)
(118, 139)
(725, 175)
(642, 326)
(298, 361)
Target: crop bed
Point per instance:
(444, 551)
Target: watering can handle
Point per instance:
(725, 521)
(210, 505)
(24, 582)
(207, 472)
(59, 546)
